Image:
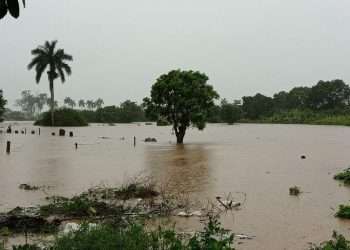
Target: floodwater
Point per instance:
(261, 161)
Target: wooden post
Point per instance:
(76, 145)
(8, 147)
(134, 141)
(39, 131)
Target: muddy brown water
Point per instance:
(262, 161)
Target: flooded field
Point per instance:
(261, 161)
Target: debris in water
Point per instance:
(295, 191)
(149, 139)
(185, 214)
(244, 237)
(228, 204)
(28, 187)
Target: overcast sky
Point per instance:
(121, 47)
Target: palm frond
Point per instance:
(60, 55)
(51, 46)
(61, 74)
(66, 68)
(40, 68)
(36, 60)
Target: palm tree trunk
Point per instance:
(52, 102)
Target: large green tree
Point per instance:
(183, 98)
(256, 106)
(230, 113)
(326, 95)
(2, 105)
(47, 56)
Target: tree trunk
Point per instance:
(180, 134)
(52, 102)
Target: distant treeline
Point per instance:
(127, 112)
(327, 102)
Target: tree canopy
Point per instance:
(31, 104)
(183, 98)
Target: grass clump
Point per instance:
(78, 206)
(338, 242)
(64, 117)
(135, 237)
(295, 191)
(343, 212)
(343, 176)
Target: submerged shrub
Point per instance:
(343, 176)
(81, 206)
(343, 212)
(63, 118)
(337, 243)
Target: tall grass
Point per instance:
(305, 117)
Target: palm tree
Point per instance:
(98, 103)
(90, 104)
(46, 56)
(81, 103)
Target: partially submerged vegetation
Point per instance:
(63, 117)
(338, 242)
(96, 204)
(118, 216)
(343, 212)
(135, 235)
(343, 176)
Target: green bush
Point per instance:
(136, 237)
(337, 243)
(343, 212)
(343, 176)
(63, 118)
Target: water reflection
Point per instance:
(180, 167)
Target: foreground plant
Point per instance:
(135, 236)
(338, 242)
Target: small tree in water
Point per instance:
(183, 98)
(56, 61)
